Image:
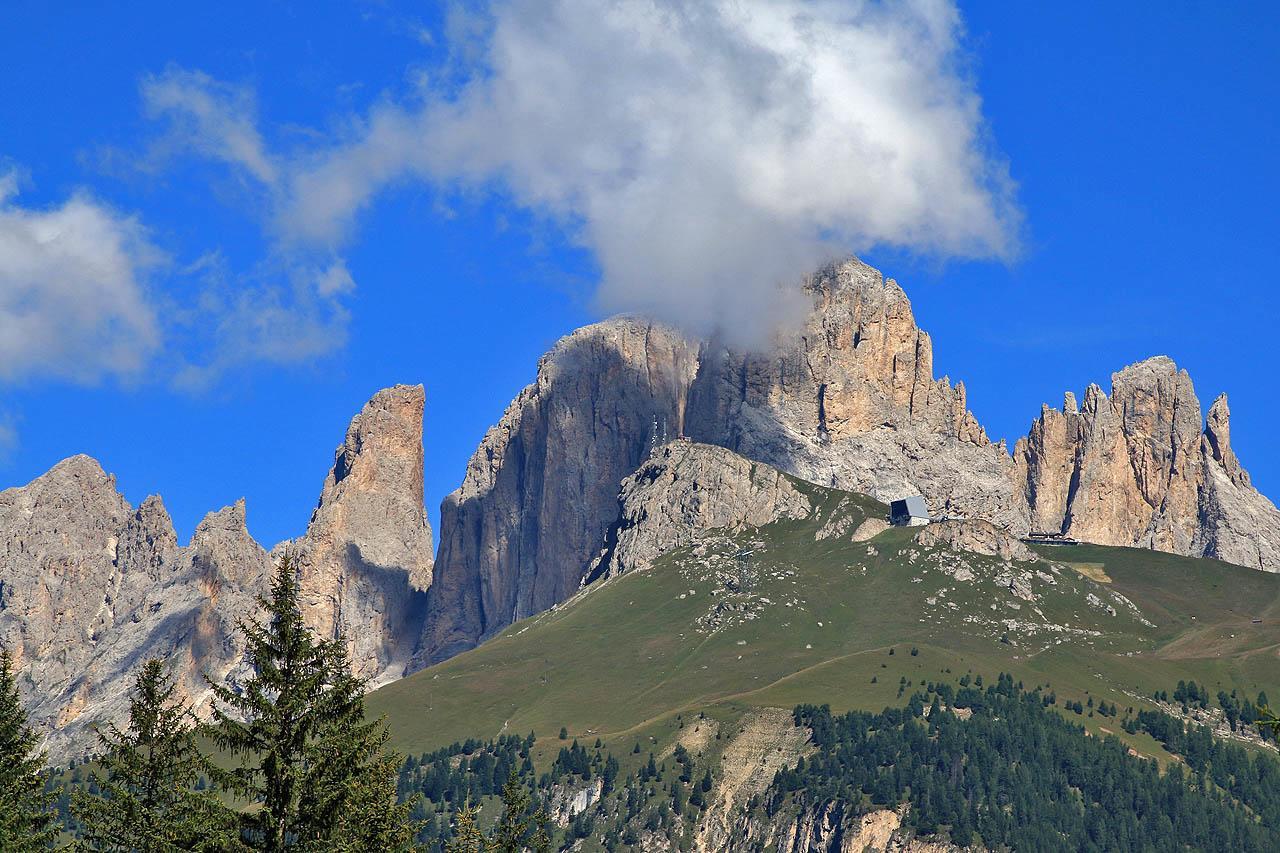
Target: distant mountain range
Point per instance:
(556, 493)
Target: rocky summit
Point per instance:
(1142, 467)
(93, 587)
(849, 400)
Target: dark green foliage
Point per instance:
(572, 759)
(144, 796)
(1018, 776)
(315, 772)
(27, 818)
(1250, 778)
(520, 828)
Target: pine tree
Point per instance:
(27, 820)
(519, 830)
(467, 837)
(147, 800)
(316, 773)
(376, 821)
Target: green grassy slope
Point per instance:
(777, 616)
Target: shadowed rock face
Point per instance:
(1142, 468)
(541, 490)
(365, 561)
(91, 588)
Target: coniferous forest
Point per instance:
(1016, 775)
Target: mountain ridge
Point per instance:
(848, 400)
(93, 587)
(556, 493)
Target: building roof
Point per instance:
(912, 505)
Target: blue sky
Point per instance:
(199, 151)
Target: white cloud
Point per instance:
(85, 296)
(73, 299)
(277, 314)
(209, 117)
(707, 152)
(290, 308)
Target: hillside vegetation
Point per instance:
(796, 612)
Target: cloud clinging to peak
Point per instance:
(706, 152)
(709, 154)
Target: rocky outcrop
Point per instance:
(834, 827)
(366, 558)
(92, 588)
(976, 536)
(540, 492)
(847, 401)
(1142, 468)
(685, 489)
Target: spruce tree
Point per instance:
(315, 773)
(147, 800)
(27, 820)
(467, 837)
(518, 829)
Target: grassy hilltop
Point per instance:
(777, 616)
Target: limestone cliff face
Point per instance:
(685, 489)
(366, 558)
(1142, 467)
(91, 588)
(540, 492)
(848, 401)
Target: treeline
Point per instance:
(658, 801)
(1248, 776)
(1016, 775)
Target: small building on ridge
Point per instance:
(910, 511)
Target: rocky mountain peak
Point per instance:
(603, 398)
(148, 542)
(1217, 433)
(1141, 468)
(366, 557)
(93, 587)
(223, 552)
(848, 400)
(374, 493)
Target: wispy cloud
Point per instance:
(282, 313)
(208, 117)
